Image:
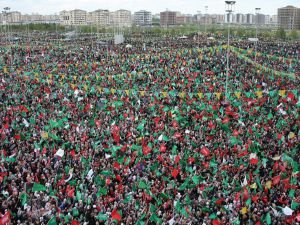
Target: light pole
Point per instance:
(229, 9)
(198, 19)
(256, 39)
(6, 12)
(206, 8)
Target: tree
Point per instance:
(281, 34)
(293, 35)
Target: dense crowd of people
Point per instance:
(154, 134)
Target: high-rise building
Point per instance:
(249, 19)
(99, 17)
(274, 20)
(260, 19)
(167, 18)
(289, 17)
(142, 18)
(73, 17)
(13, 17)
(239, 18)
(120, 18)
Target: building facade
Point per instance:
(168, 18)
(260, 19)
(13, 17)
(120, 18)
(289, 18)
(74, 17)
(250, 19)
(142, 18)
(99, 17)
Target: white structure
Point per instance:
(73, 17)
(121, 18)
(99, 17)
(240, 18)
(274, 20)
(37, 18)
(13, 17)
(143, 18)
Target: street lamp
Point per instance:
(206, 8)
(6, 12)
(256, 39)
(198, 19)
(229, 9)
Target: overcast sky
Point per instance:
(155, 6)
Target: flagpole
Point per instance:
(229, 5)
(256, 22)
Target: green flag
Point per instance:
(52, 221)
(23, 198)
(102, 217)
(38, 187)
(295, 205)
(268, 219)
(142, 185)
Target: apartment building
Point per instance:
(73, 17)
(99, 17)
(142, 18)
(289, 17)
(168, 18)
(120, 18)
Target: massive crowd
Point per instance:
(128, 135)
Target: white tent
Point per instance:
(183, 37)
(253, 39)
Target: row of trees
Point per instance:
(241, 32)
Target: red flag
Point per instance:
(75, 222)
(118, 178)
(276, 180)
(215, 222)
(253, 161)
(23, 109)
(290, 96)
(205, 151)
(258, 223)
(72, 153)
(5, 219)
(235, 133)
(115, 131)
(44, 151)
(146, 150)
(177, 159)
(17, 136)
(220, 201)
(98, 123)
(191, 160)
(245, 194)
(255, 198)
(116, 165)
(70, 191)
(115, 215)
(211, 125)
(162, 148)
(225, 120)
(177, 135)
(175, 172)
(107, 181)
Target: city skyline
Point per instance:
(155, 6)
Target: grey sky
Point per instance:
(155, 6)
